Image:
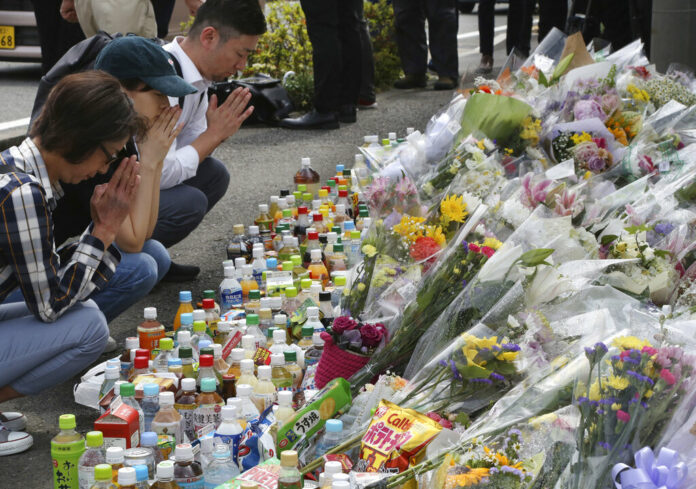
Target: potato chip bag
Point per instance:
(396, 439)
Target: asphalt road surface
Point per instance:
(261, 160)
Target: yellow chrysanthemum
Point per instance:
(616, 382)
(630, 343)
(594, 394)
(492, 243)
(469, 478)
(581, 138)
(410, 228)
(615, 407)
(508, 356)
(481, 145)
(436, 233)
(649, 394)
(369, 250)
(453, 208)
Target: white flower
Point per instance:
(546, 285)
(471, 201)
(497, 266)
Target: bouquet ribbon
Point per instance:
(665, 472)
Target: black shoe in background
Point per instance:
(312, 120)
(348, 114)
(411, 81)
(181, 273)
(445, 83)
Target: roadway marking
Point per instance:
(468, 35)
(13, 124)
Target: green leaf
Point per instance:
(662, 253)
(638, 229)
(463, 419)
(542, 79)
(608, 239)
(473, 371)
(532, 258)
(562, 67)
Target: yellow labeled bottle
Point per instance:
(293, 368)
(265, 391)
(281, 378)
(185, 305)
(247, 373)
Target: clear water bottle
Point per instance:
(221, 469)
(150, 403)
(92, 456)
(332, 437)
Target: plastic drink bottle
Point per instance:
(141, 366)
(311, 244)
(186, 320)
(248, 283)
(150, 330)
(332, 437)
(280, 342)
(175, 366)
(254, 239)
(160, 364)
(66, 449)
(318, 223)
(259, 266)
(290, 302)
(288, 249)
(273, 207)
(340, 484)
(207, 371)
(269, 337)
(185, 305)
(199, 330)
(141, 476)
(208, 404)
(111, 375)
(128, 398)
(237, 246)
(302, 223)
(230, 431)
(281, 378)
(265, 391)
(247, 374)
(313, 320)
(254, 302)
(290, 477)
(293, 369)
(229, 386)
(102, 477)
(313, 354)
(340, 217)
(127, 357)
(222, 468)
(150, 403)
(115, 457)
(337, 261)
(265, 317)
(264, 221)
(249, 345)
(247, 408)
(185, 404)
(280, 321)
(326, 309)
(317, 269)
(167, 423)
(306, 342)
(148, 441)
(187, 472)
(165, 476)
(235, 358)
(210, 294)
(127, 478)
(252, 328)
(223, 333)
(221, 367)
(331, 468)
(230, 291)
(285, 412)
(308, 177)
(186, 355)
(211, 317)
(355, 256)
(94, 455)
(337, 293)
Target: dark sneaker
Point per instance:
(348, 114)
(445, 83)
(181, 273)
(411, 81)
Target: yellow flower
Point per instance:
(492, 243)
(594, 391)
(508, 356)
(587, 175)
(615, 407)
(456, 270)
(630, 343)
(469, 478)
(537, 421)
(649, 394)
(581, 138)
(436, 233)
(361, 287)
(410, 228)
(580, 389)
(454, 208)
(618, 383)
(369, 250)
(530, 130)
(480, 145)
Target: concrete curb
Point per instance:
(12, 137)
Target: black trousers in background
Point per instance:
(333, 27)
(163, 14)
(56, 34)
(552, 13)
(443, 22)
(367, 80)
(486, 25)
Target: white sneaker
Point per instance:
(110, 346)
(12, 442)
(13, 421)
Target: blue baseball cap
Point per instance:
(136, 57)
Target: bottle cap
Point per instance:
(290, 355)
(206, 361)
(290, 292)
(265, 372)
(206, 348)
(339, 279)
(302, 210)
(117, 387)
(127, 390)
(315, 255)
(284, 192)
(243, 390)
(296, 260)
(199, 326)
(228, 413)
(348, 226)
(323, 193)
(307, 330)
(295, 242)
(364, 213)
(263, 208)
(95, 439)
(238, 229)
(112, 372)
(132, 343)
(235, 402)
(184, 451)
(287, 212)
(317, 217)
(165, 469)
(174, 362)
(313, 312)
(280, 319)
(271, 263)
(151, 389)
(141, 472)
(230, 272)
(186, 318)
(252, 319)
(188, 384)
(239, 262)
(343, 193)
(114, 455)
(208, 385)
(150, 313)
(288, 266)
(142, 352)
(288, 458)
(313, 235)
(331, 183)
(217, 350)
(67, 422)
(247, 365)
(208, 304)
(198, 315)
(253, 295)
(306, 283)
(317, 339)
(224, 327)
(102, 472)
(325, 296)
(333, 467)
(247, 270)
(237, 355)
(279, 336)
(166, 344)
(166, 398)
(126, 476)
(209, 294)
(334, 425)
(278, 359)
(113, 363)
(285, 398)
(185, 352)
(338, 247)
(307, 197)
(142, 362)
(339, 484)
(355, 234)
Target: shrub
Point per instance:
(380, 21)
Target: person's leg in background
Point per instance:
(163, 14)
(135, 276)
(516, 23)
(368, 97)
(349, 14)
(552, 13)
(55, 33)
(409, 20)
(443, 22)
(486, 24)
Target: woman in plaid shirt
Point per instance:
(55, 332)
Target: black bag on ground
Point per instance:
(268, 96)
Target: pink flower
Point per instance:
(533, 194)
(434, 416)
(474, 247)
(371, 336)
(383, 329)
(649, 350)
(487, 251)
(623, 416)
(588, 109)
(342, 324)
(667, 376)
(568, 203)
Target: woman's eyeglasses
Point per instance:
(112, 158)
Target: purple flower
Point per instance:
(510, 347)
(596, 164)
(455, 372)
(465, 245)
(442, 363)
(588, 109)
(664, 228)
(482, 381)
(496, 376)
(604, 445)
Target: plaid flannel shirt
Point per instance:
(28, 256)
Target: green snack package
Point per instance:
(306, 422)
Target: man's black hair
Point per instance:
(231, 18)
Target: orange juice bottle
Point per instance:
(151, 330)
(248, 282)
(185, 305)
(317, 269)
